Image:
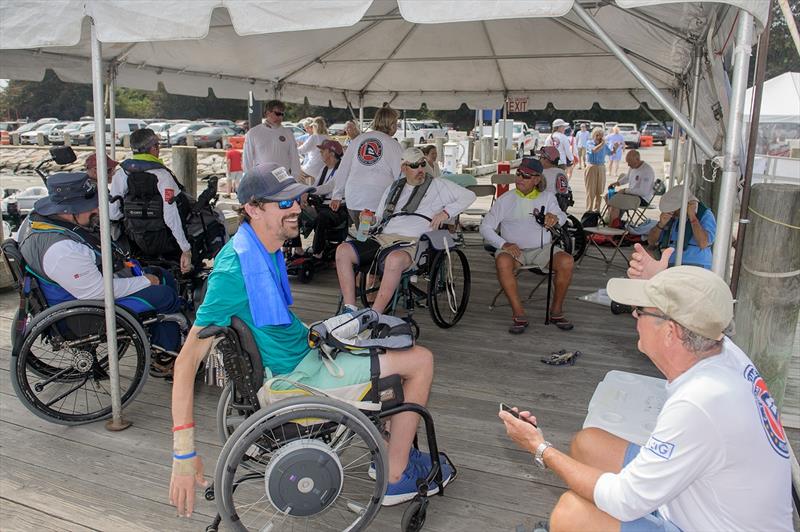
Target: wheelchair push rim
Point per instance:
(302, 464)
(449, 287)
(65, 379)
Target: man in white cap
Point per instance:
(417, 204)
(701, 228)
(561, 142)
(718, 458)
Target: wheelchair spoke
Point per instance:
(65, 394)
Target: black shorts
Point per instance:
(369, 252)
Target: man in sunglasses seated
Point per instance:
(523, 241)
(411, 206)
(271, 142)
(249, 281)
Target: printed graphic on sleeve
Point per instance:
(660, 448)
(562, 184)
(768, 412)
(370, 151)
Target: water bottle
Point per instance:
(364, 222)
(611, 192)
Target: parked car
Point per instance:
(593, 125)
(122, 127)
(56, 136)
(25, 199)
(30, 137)
(158, 127)
(524, 140)
(576, 124)
(219, 122)
(337, 129)
(657, 131)
(213, 137)
(421, 131)
(630, 134)
(30, 126)
(177, 133)
(542, 126)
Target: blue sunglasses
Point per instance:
(287, 204)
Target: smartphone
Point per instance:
(508, 409)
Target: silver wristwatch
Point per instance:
(538, 458)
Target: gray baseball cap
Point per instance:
(268, 181)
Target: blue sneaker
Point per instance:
(424, 459)
(405, 489)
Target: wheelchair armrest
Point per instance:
(212, 331)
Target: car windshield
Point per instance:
(75, 126)
(517, 128)
(623, 127)
(178, 128)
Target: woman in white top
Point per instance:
(369, 166)
(313, 164)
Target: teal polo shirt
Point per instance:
(282, 347)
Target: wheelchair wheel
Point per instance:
(228, 417)
(302, 464)
(577, 237)
(448, 289)
(63, 377)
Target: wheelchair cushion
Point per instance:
(249, 348)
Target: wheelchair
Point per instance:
(59, 359)
(312, 462)
(306, 266)
(439, 280)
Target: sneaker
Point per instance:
(425, 459)
(406, 489)
(348, 309)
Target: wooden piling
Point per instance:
(769, 285)
(184, 164)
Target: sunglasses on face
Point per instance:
(287, 204)
(419, 164)
(278, 113)
(528, 176)
(639, 311)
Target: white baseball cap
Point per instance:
(560, 123)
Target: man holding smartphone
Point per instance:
(718, 458)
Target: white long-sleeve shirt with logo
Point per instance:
(717, 459)
(266, 143)
(370, 164)
(513, 214)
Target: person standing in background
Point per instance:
(582, 139)
(271, 142)
(616, 143)
(313, 164)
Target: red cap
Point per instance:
(334, 146)
(91, 162)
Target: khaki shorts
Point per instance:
(538, 257)
(378, 247)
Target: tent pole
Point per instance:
(494, 123)
(112, 108)
(731, 168)
(687, 170)
(679, 117)
(755, 115)
(360, 113)
(675, 145)
(116, 422)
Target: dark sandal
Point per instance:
(518, 325)
(561, 322)
(562, 357)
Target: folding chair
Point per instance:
(534, 269)
(623, 202)
(640, 214)
(503, 179)
(481, 191)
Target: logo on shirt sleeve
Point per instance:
(660, 448)
(767, 412)
(169, 193)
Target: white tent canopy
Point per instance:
(407, 52)
(780, 101)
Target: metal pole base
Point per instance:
(113, 426)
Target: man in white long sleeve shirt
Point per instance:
(641, 179)
(133, 182)
(522, 241)
(561, 142)
(61, 245)
(270, 142)
(395, 246)
(718, 457)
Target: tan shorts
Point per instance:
(539, 257)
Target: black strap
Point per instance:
(414, 200)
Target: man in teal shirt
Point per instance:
(249, 281)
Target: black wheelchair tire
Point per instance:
(438, 269)
(224, 412)
(280, 413)
(41, 324)
(577, 237)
